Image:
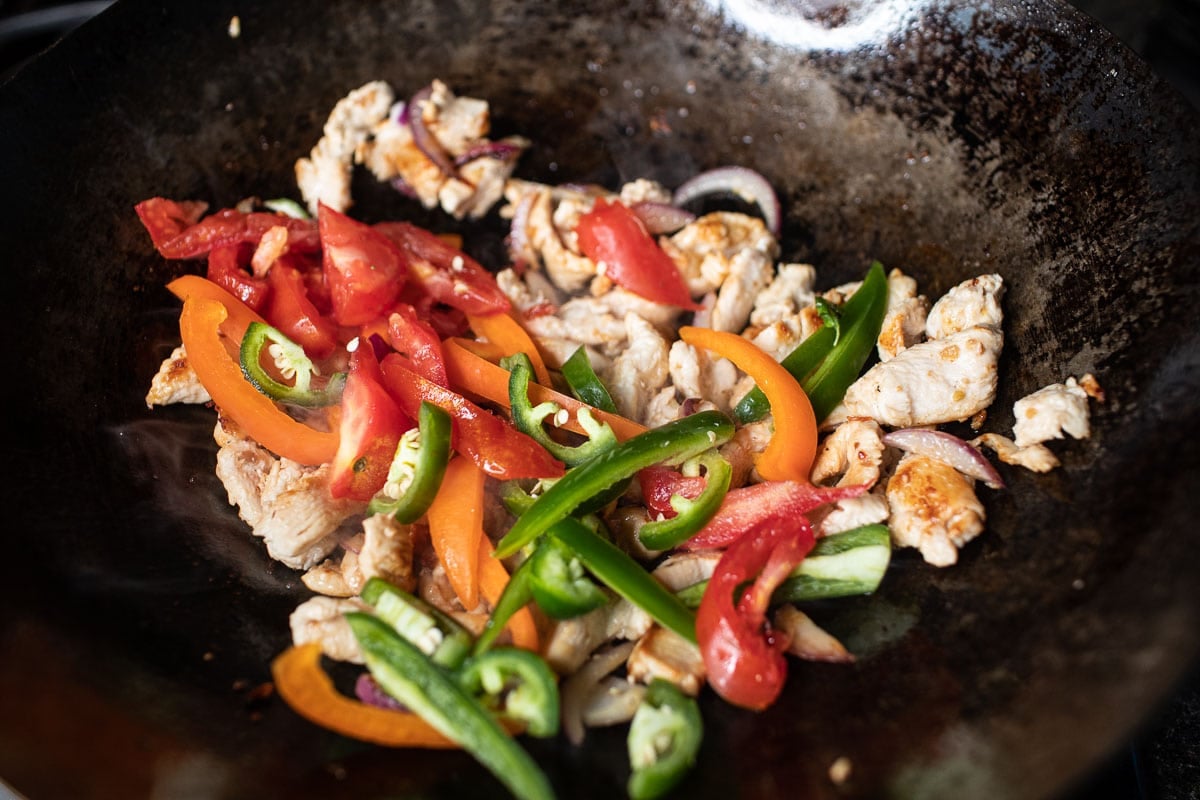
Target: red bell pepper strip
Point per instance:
(290, 310)
(415, 338)
(178, 232)
(254, 412)
(612, 235)
(790, 453)
(370, 429)
(493, 444)
(743, 658)
(446, 273)
(749, 507)
(364, 269)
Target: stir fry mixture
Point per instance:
(577, 490)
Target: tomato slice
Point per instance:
(419, 341)
(178, 232)
(364, 269)
(290, 310)
(225, 270)
(370, 429)
(745, 509)
(743, 658)
(612, 234)
(447, 274)
(492, 443)
(660, 483)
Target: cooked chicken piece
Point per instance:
(642, 190)
(391, 154)
(625, 620)
(946, 380)
(587, 689)
(568, 270)
(750, 271)
(612, 701)
(458, 123)
(480, 183)
(528, 291)
(934, 508)
(706, 250)
(583, 320)
(851, 456)
(696, 374)
(780, 338)
(434, 587)
(790, 291)
(624, 522)
(904, 320)
(322, 620)
(662, 653)
(620, 302)
(641, 370)
(341, 578)
(1050, 412)
(971, 303)
(573, 640)
(285, 503)
(662, 408)
(324, 177)
(744, 448)
(1033, 457)
(176, 382)
(387, 551)
(807, 640)
(846, 515)
(681, 570)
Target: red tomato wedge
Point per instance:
(364, 269)
(612, 234)
(493, 444)
(178, 232)
(445, 273)
(660, 483)
(290, 310)
(370, 429)
(225, 270)
(745, 509)
(416, 339)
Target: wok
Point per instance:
(949, 138)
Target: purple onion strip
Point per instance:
(948, 448)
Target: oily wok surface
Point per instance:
(139, 618)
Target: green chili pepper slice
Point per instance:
(287, 207)
(824, 369)
(529, 419)
(516, 595)
(616, 570)
(585, 384)
(293, 364)
(690, 515)
(672, 443)
(560, 586)
(405, 673)
(432, 631)
(514, 684)
(664, 739)
(417, 468)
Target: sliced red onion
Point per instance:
(745, 183)
(661, 217)
(371, 693)
(404, 187)
(948, 448)
(502, 151)
(399, 112)
(425, 141)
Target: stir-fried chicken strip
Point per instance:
(662, 653)
(176, 382)
(1050, 412)
(972, 303)
(807, 640)
(285, 503)
(1033, 457)
(718, 245)
(340, 578)
(850, 456)
(324, 177)
(322, 620)
(641, 370)
(933, 508)
(904, 320)
(790, 291)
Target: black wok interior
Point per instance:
(952, 138)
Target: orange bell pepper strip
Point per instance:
(253, 411)
(456, 527)
(478, 376)
(790, 453)
(307, 688)
(239, 316)
(493, 577)
(504, 331)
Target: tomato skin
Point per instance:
(742, 657)
(419, 341)
(492, 443)
(744, 510)
(178, 231)
(225, 270)
(444, 272)
(369, 431)
(290, 310)
(165, 219)
(660, 483)
(364, 270)
(613, 234)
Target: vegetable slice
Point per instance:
(664, 739)
(456, 528)
(506, 333)
(529, 419)
(517, 685)
(418, 467)
(585, 384)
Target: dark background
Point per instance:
(1162, 761)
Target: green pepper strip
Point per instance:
(671, 443)
(433, 632)
(823, 369)
(515, 684)
(585, 384)
(664, 739)
(616, 570)
(690, 515)
(516, 595)
(560, 586)
(842, 565)
(292, 359)
(417, 468)
(528, 419)
(406, 674)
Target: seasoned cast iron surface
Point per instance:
(139, 618)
